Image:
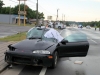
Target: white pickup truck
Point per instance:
(58, 25)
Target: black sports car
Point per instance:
(44, 46)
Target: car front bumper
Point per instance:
(28, 59)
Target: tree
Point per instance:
(1, 4)
(30, 13)
(41, 15)
(67, 23)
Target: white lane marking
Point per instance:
(61, 31)
(14, 31)
(43, 71)
(92, 40)
(2, 36)
(14, 71)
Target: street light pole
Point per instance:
(37, 13)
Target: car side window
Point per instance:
(76, 37)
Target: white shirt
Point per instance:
(52, 33)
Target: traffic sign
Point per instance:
(22, 12)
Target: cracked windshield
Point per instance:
(49, 37)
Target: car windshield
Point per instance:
(35, 33)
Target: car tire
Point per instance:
(7, 58)
(55, 60)
(49, 26)
(59, 27)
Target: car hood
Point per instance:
(33, 44)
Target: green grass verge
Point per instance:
(16, 37)
(32, 25)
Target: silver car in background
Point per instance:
(88, 27)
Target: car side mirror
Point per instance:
(64, 41)
(9, 46)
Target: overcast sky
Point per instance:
(74, 10)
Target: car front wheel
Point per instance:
(55, 60)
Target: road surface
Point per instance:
(6, 30)
(66, 66)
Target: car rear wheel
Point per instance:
(49, 26)
(59, 27)
(55, 60)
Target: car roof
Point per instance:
(39, 28)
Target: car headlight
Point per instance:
(41, 52)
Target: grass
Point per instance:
(25, 25)
(16, 37)
(32, 25)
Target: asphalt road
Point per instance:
(6, 30)
(66, 66)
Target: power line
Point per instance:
(42, 7)
(14, 1)
(46, 10)
(31, 5)
(32, 1)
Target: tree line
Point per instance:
(92, 23)
(14, 10)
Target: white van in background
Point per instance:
(57, 25)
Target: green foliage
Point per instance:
(92, 23)
(67, 23)
(1, 4)
(30, 13)
(16, 37)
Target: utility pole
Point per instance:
(37, 13)
(62, 18)
(9, 14)
(24, 12)
(19, 13)
(57, 15)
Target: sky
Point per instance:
(74, 10)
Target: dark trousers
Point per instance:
(95, 28)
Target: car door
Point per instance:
(73, 49)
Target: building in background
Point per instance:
(11, 19)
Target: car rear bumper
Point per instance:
(28, 59)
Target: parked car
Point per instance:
(57, 25)
(44, 46)
(80, 26)
(88, 27)
(28, 22)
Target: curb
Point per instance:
(4, 68)
(3, 64)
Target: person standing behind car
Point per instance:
(54, 25)
(95, 27)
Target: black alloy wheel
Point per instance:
(55, 60)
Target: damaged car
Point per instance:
(44, 46)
